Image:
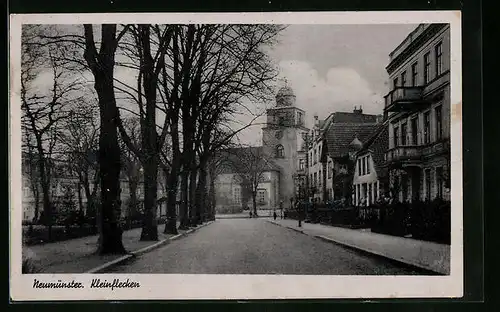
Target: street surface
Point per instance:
(254, 246)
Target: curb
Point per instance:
(144, 250)
(400, 261)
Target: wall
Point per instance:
(363, 180)
(289, 163)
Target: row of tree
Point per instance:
(188, 84)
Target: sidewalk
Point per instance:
(78, 255)
(426, 255)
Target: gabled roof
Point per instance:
(377, 144)
(339, 137)
(348, 117)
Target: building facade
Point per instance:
(65, 184)
(418, 109)
(325, 138)
(283, 149)
(370, 174)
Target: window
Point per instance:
(315, 178)
(300, 118)
(427, 67)
(359, 167)
(330, 169)
(280, 151)
(427, 174)
(320, 181)
(414, 131)
(396, 136)
(281, 121)
(439, 182)
(439, 58)
(314, 156)
(302, 164)
(414, 74)
(395, 83)
(364, 165)
(404, 132)
(403, 78)
(439, 123)
(237, 195)
(261, 196)
(427, 128)
(367, 164)
(370, 200)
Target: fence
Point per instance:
(429, 220)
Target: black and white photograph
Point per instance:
(235, 156)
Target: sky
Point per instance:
(334, 68)
(330, 68)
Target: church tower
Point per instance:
(282, 139)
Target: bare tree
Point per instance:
(229, 67)
(250, 164)
(44, 106)
(101, 64)
(80, 140)
(151, 63)
(132, 166)
(30, 167)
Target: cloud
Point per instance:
(340, 89)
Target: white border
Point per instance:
(186, 286)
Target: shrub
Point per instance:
(29, 267)
(431, 221)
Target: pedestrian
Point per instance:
(250, 214)
(275, 216)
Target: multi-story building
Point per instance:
(283, 148)
(342, 142)
(64, 181)
(370, 174)
(418, 109)
(330, 131)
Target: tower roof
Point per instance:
(285, 97)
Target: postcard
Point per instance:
(235, 156)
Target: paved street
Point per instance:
(254, 246)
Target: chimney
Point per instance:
(358, 111)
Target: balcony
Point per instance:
(437, 148)
(404, 153)
(404, 99)
(414, 154)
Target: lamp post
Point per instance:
(307, 142)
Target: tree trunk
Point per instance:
(172, 180)
(192, 197)
(201, 187)
(80, 199)
(47, 205)
(184, 217)
(211, 194)
(36, 195)
(149, 139)
(150, 227)
(102, 66)
(133, 202)
(254, 203)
